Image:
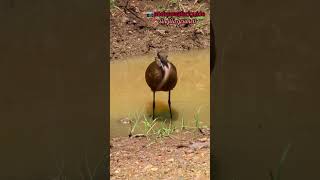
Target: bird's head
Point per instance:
(163, 56)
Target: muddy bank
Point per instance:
(182, 155)
(132, 33)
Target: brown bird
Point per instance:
(161, 75)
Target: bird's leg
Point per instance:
(169, 102)
(153, 104)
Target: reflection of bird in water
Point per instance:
(161, 75)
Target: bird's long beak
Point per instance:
(164, 62)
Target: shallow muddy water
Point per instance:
(130, 95)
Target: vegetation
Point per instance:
(159, 127)
(112, 3)
(283, 157)
(86, 173)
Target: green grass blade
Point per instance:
(283, 157)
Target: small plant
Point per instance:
(283, 157)
(134, 122)
(148, 125)
(112, 4)
(164, 131)
(182, 124)
(152, 127)
(197, 119)
(161, 8)
(200, 26)
(173, 1)
(199, 18)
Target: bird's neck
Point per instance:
(166, 70)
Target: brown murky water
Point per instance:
(130, 95)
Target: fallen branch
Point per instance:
(182, 146)
(137, 135)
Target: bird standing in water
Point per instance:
(161, 75)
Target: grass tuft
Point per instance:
(165, 130)
(158, 127)
(148, 125)
(112, 3)
(182, 124)
(283, 157)
(197, 118)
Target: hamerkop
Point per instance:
(161, 75)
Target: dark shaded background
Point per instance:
(53, 92)
(266, 89)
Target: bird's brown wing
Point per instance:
(153, 75)
(172, 80)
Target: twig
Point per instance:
(87, 166)
(180, 5)
(127, 3)
(182, 146)
(200, 130)
(134, 13)
(138, 135)
(174, 137)
(118, 8)
(150, 144)
(151, 127)
(200, 7)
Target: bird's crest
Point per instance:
(162, 54)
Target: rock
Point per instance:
(198, 31)
(201, 177)
(203, 139)
(147, 167)
(199, 145)
(125, 20)
(137, 9)
(185, 46)
(154, 24)
(154, 169)
(125, 120)
(189, 151)
(162, 32)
